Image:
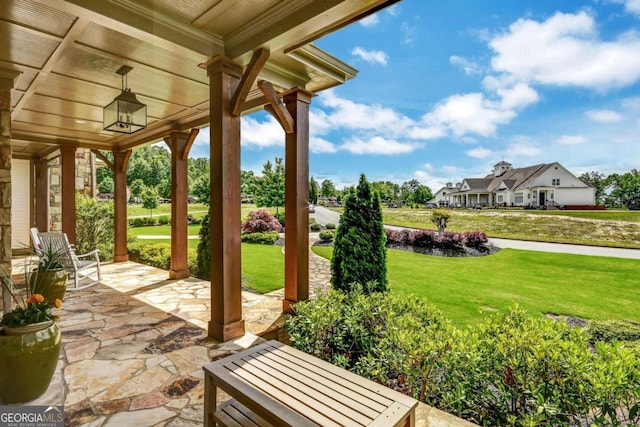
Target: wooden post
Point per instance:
(120, 223)
(296, 239)
(68, 166)
(41, 194)
(226, 277)
(179, 143)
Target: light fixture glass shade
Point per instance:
(125, 114)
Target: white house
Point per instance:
(543, 185)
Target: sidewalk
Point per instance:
(566, 248)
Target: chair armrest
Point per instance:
(93, 253)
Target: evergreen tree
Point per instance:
(203, 259)
(359, 252)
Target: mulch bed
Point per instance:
(484, 250)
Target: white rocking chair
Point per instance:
(74, 264)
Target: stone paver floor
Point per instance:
(134, 346)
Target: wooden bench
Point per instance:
(276, 385)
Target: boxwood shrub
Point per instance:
(268, 238)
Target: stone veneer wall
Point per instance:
(85, 180)
(5, 186)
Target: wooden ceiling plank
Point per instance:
(76, 29)
(249, 76)
(213, 12)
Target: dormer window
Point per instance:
(555, 181)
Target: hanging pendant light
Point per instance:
(125, 114)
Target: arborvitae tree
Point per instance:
(203, 259)
(359, 252)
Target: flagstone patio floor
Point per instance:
(134, 346)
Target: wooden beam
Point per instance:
(105, 159)
(190, 140)
(249, 76)
(277, 107)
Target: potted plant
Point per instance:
(29, 344)
(49, 278)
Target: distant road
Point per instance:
(324, 215)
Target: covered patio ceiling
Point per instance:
(67, 54)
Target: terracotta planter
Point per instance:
(28, 357)
(51, 284)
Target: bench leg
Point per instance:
(210, 397)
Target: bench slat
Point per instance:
(295, 381)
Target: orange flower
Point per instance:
(35, 298)
(57, 303)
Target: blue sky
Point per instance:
(447, 89)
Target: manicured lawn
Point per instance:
(582, 286)
(617, 229)
(161, 230)
(196, 209)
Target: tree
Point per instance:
(625, 190)
(201, 189)
(422, 194)
(270, 187)
(414, 192)
(387, 190)
(136, 187)
(313, 191)
(106, 185)
(359, 253)
(598, 181)
(94, 226)
(327, 188)
(440, 218)
(150, 199)
(203, 258)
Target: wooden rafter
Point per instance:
(249, 76)
(105, 159)
(276, 106)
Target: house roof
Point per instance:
(478, 184)
(514, 179)
(65, 55)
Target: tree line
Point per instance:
(149, 179)
(615, 190)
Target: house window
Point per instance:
(519, 198)
(500, 199)
(555, 181)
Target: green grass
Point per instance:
(584, 227)
(582, 286)
(164, 209)
(161, 230)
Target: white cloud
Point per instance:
(518, 96)
(433, 182)
(523, 149)
(566, 50)
(631, 6)
(469, 68)
(371, 56)
(408, 33)
(631, 104)
(604, 116)
(351, 115)
(479, 153)
(428, 166)
(321, 145)
(378, 145)
(370, 21)
(429, 132)
(449, 169)
(571, 140)
(263, 134)
(469, 113)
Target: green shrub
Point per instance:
(268, 238)
(327, 235)
(280, 217)
(164, 220)
(155, 254)
(203, 261)
(359, 254)
(511, 369)
(315, 226)
(138, 222)
(614, 330)
(94, 226)
(330, 226)
(149, 221)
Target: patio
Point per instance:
(134, 346)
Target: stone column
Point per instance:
(120, 223)
(226, 277)
(296, 250)
(68, 164)
(41, 194)
(179, 143)
(7, 82)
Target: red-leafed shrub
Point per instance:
(424, 239)
(475, 239)
(260, 221)
(398, 237)
(451, 240)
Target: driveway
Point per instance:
(324, 215)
